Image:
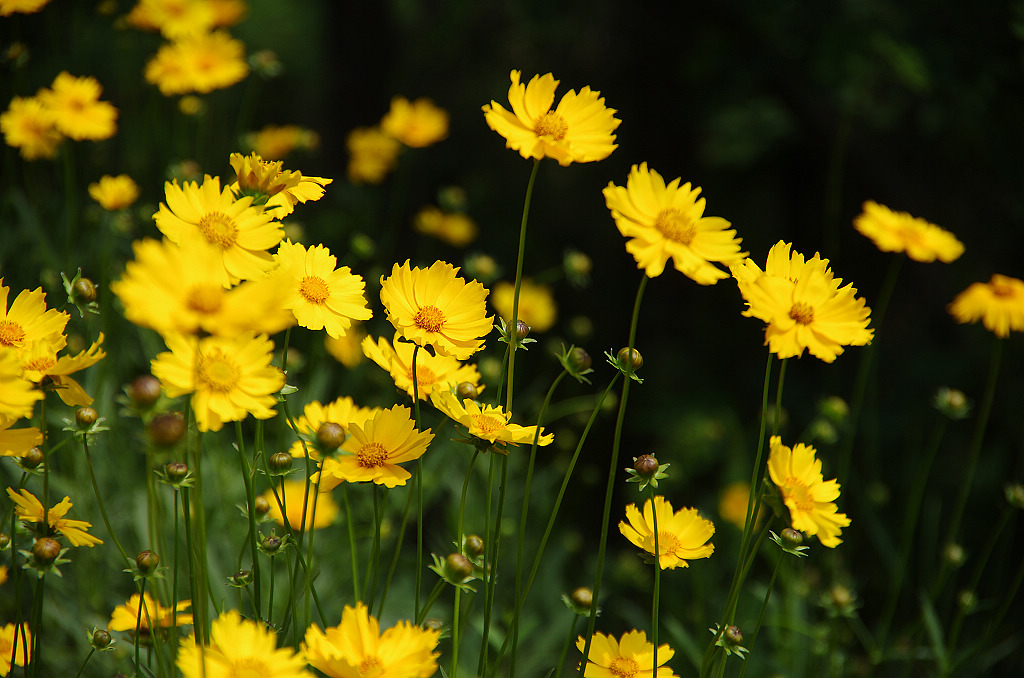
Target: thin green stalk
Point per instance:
(764, 608)
(99, 499)
(250, 499)
(351, 543)
(431, 599)
(398, 550)
(36, 626)
(174, 577)
(418, 481)
(138, 621)
(656, 598)
(491, 541)
(513, 341)
(565, 646)
(379, 502)
(456, 628)
(81, 668)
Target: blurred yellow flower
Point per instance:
(274, 142)
(282, 189)
(239, 647)
(28, 126)
(433, 373)
(175, 19)
(30, 510)
(114, 193)
(348, 348)
(28, 321)
(154, 615)
(808, 496)
(416, 124)
(16, 645)
(999, 304)
(77, 110)
(732, 503)
(344, 412)
(41, 361)
(292, 492)
(630, 656)
(488, 423)
(372, 155)
(15, 442)
(455, 228)
(7, 8)
(901, 232)
(579, 129)
(667, 221)
(201, 63)
(537, 306)
(682, 536)
(18, 395)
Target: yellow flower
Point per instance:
(372, 155)
(901, 232)
(239, 647)
(282, 188)
(242, 232)
(999, 304)
(18, 395)
(537, 306)
(16, 442)
(356, 648)
(455, 228)
(293, 491)
(8, 7)
(347, 349)
(732, 504)
(200, 63)
(667, 221)
(154, 615)
(114, 193)
(435, 307)
(321, 296)
(488, 423)
(417, 124)
(41, 361)
(808, 496)
(175, 19)
(30, 510)
(629, 657)
(229, 378)
(16, 644)
(29, 321)
(578, 130)
(433, 373)
(3, 577)
(375, 449)
(28, 126)
(803, 304)
(682, 536)
(77, 110)
(344, 412)
(274, 142)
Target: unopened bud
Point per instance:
(33, 458)
(630, 358)
(474, 544)
(841, 596)
(579, 360)
(1015, 495)
(330, 436)
(144, 391)
(99, 639)
(261, 505)
(270, 544)
(84, 291)
(732, 634)
(147, 562)
(166, 429)
(86, 417)
(459, 567)
(583, 597)
(646, 465)
(433, 624)
(241, 578)
(45, 550)
(279, 462)
(954, 555)
(176, 471)
(467, 389)
(5, 541)
(791, 537)
(522, 330)
(966, 600)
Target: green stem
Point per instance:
(565, 647)
(418, 481)
(764, 608)
(492, 543)
(512, 336)
(351, 544)
(656, 598)
(398, 551)
(138, 622)
(99, 499)
(250, 498)
(81, 668)
(431, 599)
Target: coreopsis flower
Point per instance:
(537, 306)
(416, 124)
(375, 449)
(488, 422)
(667, 221)
(999, 304)
(15, 442)
(28, 126)
(74, 103)
(154, 615)
(321, 296)
(579, 129)
(291, 493)
(803, 305)
(433, 372)
(274, 142)
(732, 503)
(9, 7)
(18, 395)
(242, 232)
(28, 321)
(40, 361)
(682, 536)
(348, 348)
(455, 228)
(372, 155)
(632, 655)
(344, 412)
(356, 647)
(229, 378)
(114, 193)
(175, 19)
(267, 179)
(200, 63)
(435, 307)
(901, 232)
(30, 510)
(808, 496)
(239, 647)
(15, 644)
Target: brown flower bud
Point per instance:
(166, 429)
(631, 358)
(583, 597)
(33, 458)
(732, 634)
(99, 639)
(84, 290)
(176, 471)
(474, 544)
(46, 550)
(262, 506)
(522, 330)
(646, 465)
(144, 391)
(791, 537)
(330, 436)
(467, 389)
(459, 567)
(147, 562)
(279, 462)
(86, 417)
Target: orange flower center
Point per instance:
(371, 666)
(314, 289)
(429, 318)
(800, 494)
(204, 298)
(371, 455)
(675, 226)
(668, 543)
(802, 313)
(217, 371)
(551, 124)
(1001, 289)
(249, 667)
(40, 364)
(624, 667)
(425, 377)
(219, 229)
(11, 333)
(487, 425)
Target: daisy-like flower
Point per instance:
(293, 491)
(15, 644)
(239, 647)
(200, 63)
(30, 510)
(242, 232)
(77, 110)
(15, 442)
(372, 155)
(808, 496)
(154, 615)
(454, 228)
(999, 304)
(114, 193)
(41, 361)
(435, 307)
(416, 124)
(901, 232)
(433, 373)
(18, 395)
(9, 7)
(682, 536)
(274, 142)
(375, 449)
(579, 129)
(28, 321)
(321, 296)
(28, 126)
(348, 348)
(175, 19)
(537, 306)
(803, 305)
(632, 656)
(356, 647)
(344, 412)
(230, 378)
(267, 179)
(488, 423)
(667, 221)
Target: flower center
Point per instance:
(249, 667)
(802, 313)
(371, 666)
(314, 289)
(668, 543)
(487, 425)
(219, 229)
(425, 377)
(204, 298)
(799, 493)
(429, 318)
(217, 371)
(624, 667)
(371, 455)
(11, 333)
(40, 364)
(551, 124)
(1001, 289)
(675, 226)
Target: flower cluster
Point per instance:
(373, 151)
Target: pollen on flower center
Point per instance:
(314, 289)
(371, 455)
(219, 229)
(429, 318)
(1001, 289)
(798, 492)
(675, 226)
(218, 371)
(802, 313)
(551, 124)
(11, 333)
(205, 298)
(667, 543)
(249, 667)
(39, 364)
(487, 425)
(624, 667)
(425, 376)
(371, 666)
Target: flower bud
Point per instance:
(841, 596)
(84, 291)
(241, 578)
(99, 639)
(270, 544)
(5, 541)
(522, 330)
(46, 550)
(147, 562)
(433, 624)
(330, 436)
(646, 465)
(144, 391)
(631, 358)
(459, 566)
(176, 471)
(261, 505)
(33, 458)
(582, 597)
(467, 389)
(732, 634)
(166, 429)
(791, 537)
(1015, 495)
(86, 417)
(279, 462)
(966, 600)
(579, 360)
(951, 402)
(954, 555)
(475, 545)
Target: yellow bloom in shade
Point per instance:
(28, 126)
(433, 373)
(455, 228)
(537, 306)
(632, 656)
(901, 232)
(808, 496)
(667, 221)
(999, 304)
(18, 395)
(239, 647)
(268, 179)
(803, 305)
(41, 361)
(229, 378)
(348, 348)
(488, 423)
(8, 7)
(201, 63)
(16, 644)
(682, 536)
(3, 578)
(154, 615)
(274, 142)
(416, 124)
(293, 491)
(30, 510)
(344, 412)
(114, 193)
(732, 504)
(15, 442)
(242, 232)
(435, 307)
(28, 321)
(321, 296)
(77, 110)
(579, 129)
(375, 449)
(175, 19)
(356, 648)
(372, 155)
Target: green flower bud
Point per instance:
(46, 550)
(279, 463)
(459, 566)
(330, 436)
(270, 544)
(732, 634)
(467, 389)
(99, 639)
(475, 545)
(522, 330)
(582, 597)
(84, 291)
(262, 506)
(578, 359)
(86, 417)
(33, 458)
(631, 358)
(5, 541)
(147, 562)
(176, 471)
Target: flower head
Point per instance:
(18, 395)
(77, 110)
(682, 536)
(28, 126)
(41, 361)
(808, 496)
(416, 124)
(15, 644)
(114, 193)
(433, 372)
(292, 492)
(999, 304)
(629, 657)
(175, 19)
(901, 232)
(29, 509)
(9, 7)
(537, 307)
(274, 142)
(267, 180)
(199, 63)
(28, 321)
(239, 647)
(489, 423)
(579, 129)
(154, 615)
(15, 442)
(455, 228)
(372, 155)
